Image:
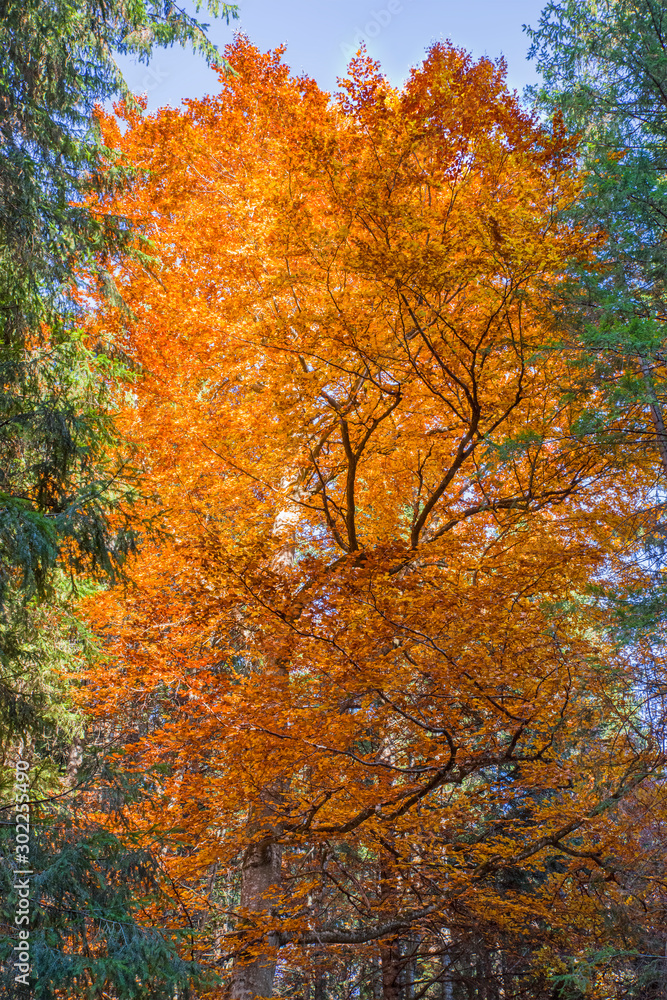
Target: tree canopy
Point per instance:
(376, 697)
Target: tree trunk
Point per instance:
(447, 989)
(391, 971)
(411, 967)
(656, 415)
(252, 977)
(320, 986)
(254, 970)
(390, 951)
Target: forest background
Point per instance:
(332, 525)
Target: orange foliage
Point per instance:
(363, 670)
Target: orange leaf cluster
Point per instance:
(362, 670)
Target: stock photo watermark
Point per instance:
(377, 22)
(22, 873)
(154, 78)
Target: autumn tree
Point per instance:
(364, 675)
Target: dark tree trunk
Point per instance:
(391, 971)
(260, 880)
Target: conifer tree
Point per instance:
(604, 69)
(65, 506)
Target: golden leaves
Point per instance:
(370, 622)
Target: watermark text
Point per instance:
(22, 873)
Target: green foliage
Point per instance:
(57, 482)
(87, 936)
(66, 511)
(42, 644)
(604, 69)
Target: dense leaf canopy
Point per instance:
(371, 667)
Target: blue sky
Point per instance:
(321, 34)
